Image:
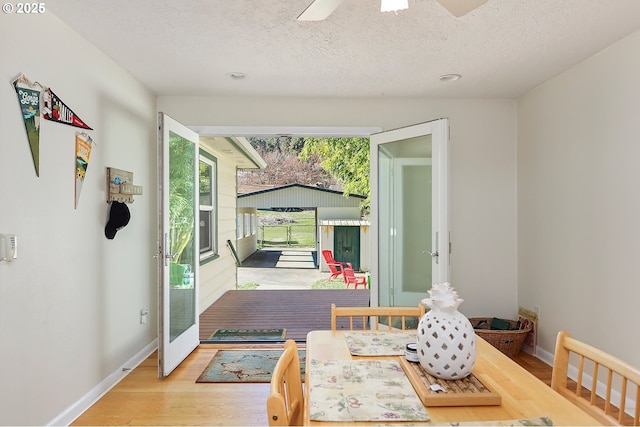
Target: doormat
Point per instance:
(245, 366)
(247, 335)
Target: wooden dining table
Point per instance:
(523, 396)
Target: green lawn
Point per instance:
(287, 228)
(329, 284)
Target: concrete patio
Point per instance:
(281, 268)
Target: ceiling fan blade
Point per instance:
(319, 10)
(461, 7)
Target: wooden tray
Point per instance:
(468, 391)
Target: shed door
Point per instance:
(347, 245)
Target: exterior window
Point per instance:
(208, 208)
(254, 224)
(239, 232)
(247, 227)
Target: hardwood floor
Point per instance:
(142, 399)
(537, 367)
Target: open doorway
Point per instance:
(313, 194)
(376, 292)
(284, 200)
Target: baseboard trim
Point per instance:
(544, 355)
(67, 416)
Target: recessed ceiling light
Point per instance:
(450, 77)
(237, 75)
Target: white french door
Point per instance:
(178, 243)
(409, 212)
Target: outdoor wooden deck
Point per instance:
(299, 311)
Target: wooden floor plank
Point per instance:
(298, 311)
(142, 399)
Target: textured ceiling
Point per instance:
(502, 49)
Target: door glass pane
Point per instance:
(416, 221)
(405, 220)
(182, 202)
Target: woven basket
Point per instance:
(508, 342)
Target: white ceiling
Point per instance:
(502, 49)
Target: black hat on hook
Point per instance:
(119, 216)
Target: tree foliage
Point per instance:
(181, 197)
(284, 166)
(347, 159)
(321, 162)
(287, 145)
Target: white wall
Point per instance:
(483, 156)
(579, 204)
(70, 303)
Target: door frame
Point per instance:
(439, 129)
(172, 352)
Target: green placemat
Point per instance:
(245, 335)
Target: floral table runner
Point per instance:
(362, 390)
(379, 343)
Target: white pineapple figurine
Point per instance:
(446, 339)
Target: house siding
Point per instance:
(297, 196)
(220, 274)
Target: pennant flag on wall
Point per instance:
(83, 152)
(29, 99)
(57, 111)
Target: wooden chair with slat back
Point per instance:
(285, 403)
(359, 316)
(615, 369)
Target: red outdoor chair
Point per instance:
(335, 267)
(350, 277)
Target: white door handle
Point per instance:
(434, 255)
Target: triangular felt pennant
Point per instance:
(57, 111)
(29, 98)
(83, 152)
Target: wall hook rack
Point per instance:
(120, 186)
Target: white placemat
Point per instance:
(379, 343)
(362, 390)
